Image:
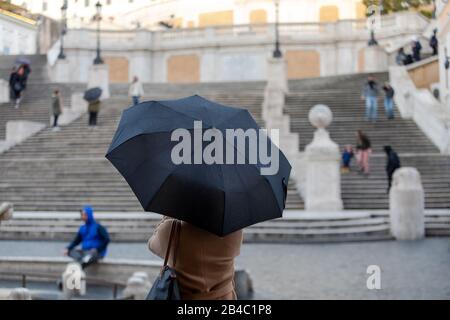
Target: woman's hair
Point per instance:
(360, 134)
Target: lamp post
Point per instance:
(61, 55)
(434, 9)
(277, 52)
(98, 17)
(373, 41)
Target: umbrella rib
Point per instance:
(184, 114)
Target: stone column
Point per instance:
(375, 59)
(322, 159)
(61, 71)
(407, 205)
(99, 77)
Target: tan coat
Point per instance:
(205, 262)
(94, 106)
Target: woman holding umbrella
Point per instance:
(17, 85)
(92, 96)
(209, 202)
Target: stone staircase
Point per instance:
(36, 101)
(59, 171)
(295, 227)
(343, 95)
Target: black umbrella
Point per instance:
(93, 94)
(220, 198)
(23, 60)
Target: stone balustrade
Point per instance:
(431, 116)
(19, 131)
(232, 53)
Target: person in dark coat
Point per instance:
(94, 240)
(56, 108)
(16, 84)
(392, 164)
(416, 49)
(389, 94)
(434, 43)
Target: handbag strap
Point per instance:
(174, 233)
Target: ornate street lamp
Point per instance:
(61, 55)
(277, 52)
(373, 41)
(98, 17)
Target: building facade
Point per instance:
(235, 53)
(197, 13)
(18, 34)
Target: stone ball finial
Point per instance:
(6, 211)
(20, 294)
(320, 116)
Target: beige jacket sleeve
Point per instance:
(160, 238)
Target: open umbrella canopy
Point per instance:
(93, 94)
(201, 162)
(23, 60)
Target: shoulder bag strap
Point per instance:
(174, 237)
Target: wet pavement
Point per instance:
(409, 270)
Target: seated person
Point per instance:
(347, 156)
(94, 240)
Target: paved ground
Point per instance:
(409, 270)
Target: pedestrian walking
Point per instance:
(56, 108)
(93, 109)
(364, 151)
(389, 94)
(136, 91)
(392, 164)
(16, 84)
(370, 95)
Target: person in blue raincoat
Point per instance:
(94, 240)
